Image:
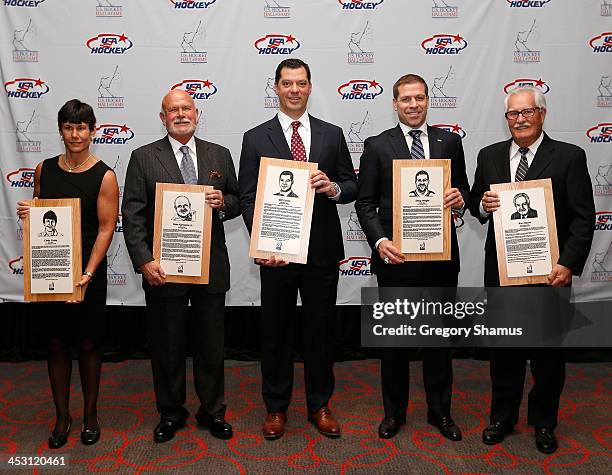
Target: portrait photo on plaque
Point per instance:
(283, 210)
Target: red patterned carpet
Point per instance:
(127, 416)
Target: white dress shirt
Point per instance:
(176, 148)
(424, 137)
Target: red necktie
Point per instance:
(298, 151)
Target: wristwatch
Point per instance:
(336, 189)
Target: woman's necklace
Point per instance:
(71, 169)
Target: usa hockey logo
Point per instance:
(444, 44)
(26, 88)
(360, 90)
(355, 267)
(191, 4)
(16, 266)
(602, 43)
(527, 3)
(276, 44)
(454, 128)
(113, 134)
(197, 88)
(359, 4)
(522, 82)
(601, 133)
(109, 43)
(21, 178)
(603, 221)
(22, 3)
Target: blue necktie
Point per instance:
(187, 168)
(416, 151)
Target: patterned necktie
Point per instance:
(416, 151)
(521, 171)
(298, 151)
(187, 168)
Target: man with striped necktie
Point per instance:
(530, 155)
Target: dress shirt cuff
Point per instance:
(379, 241)
(483, 213)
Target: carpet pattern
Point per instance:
(127, 416)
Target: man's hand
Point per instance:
(490, 201)
(214, 199)
(386, 250)
(560, 276)
(321, 184)
(453, 199)
(272, 261)
(154, 273)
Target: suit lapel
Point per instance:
(277, 137)
(203, 161)
(541, 160)
(502, 163)
(398, 143)
(436, 143)
(165, 156)
(316, 139)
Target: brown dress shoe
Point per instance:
(274, 425)
(325, 422)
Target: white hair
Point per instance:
(540, 100)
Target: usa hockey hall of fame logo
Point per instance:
(602, 43)
(357, 46)
(270, 97)
(276, 9)
(276, 44)
(113, 134)
(360, 90)
(604, 91)
(442, 9)
(444, 44)
(354, 231)
(192, 48)
(109, 43)
(601, 266)
(106, 8)
(603, 180)
(115, 258)
(191, 4)
(525, 44)
(108, 95)
(24, 132)
(198, 89)
(601, 133)
(357, 132)
(26, 88)
(606, 8)
(441, 91)
(22, 38)
(359, 4)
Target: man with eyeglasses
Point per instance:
(531, 154)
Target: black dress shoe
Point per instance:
(546, 442)
(58, 439)
(165, 430)
(389, 426)
(217, 425)
(449, 429)
(90, 436)
(494, 433)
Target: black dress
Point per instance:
(86, 319)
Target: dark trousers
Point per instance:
(508, 378)
(171, 322)
(437, 362)
(318, 287)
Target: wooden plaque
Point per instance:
(398, 191)
(75, 251)
(272, 200)
(546, 186)
(181, 227)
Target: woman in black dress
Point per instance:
(78, 174)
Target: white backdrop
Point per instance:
(121, 56)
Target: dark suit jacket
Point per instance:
(327, 148)
(565, 164)
(374, 203)
(156, 163)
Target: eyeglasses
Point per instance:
(526, 113)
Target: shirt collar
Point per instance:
(533, 148)
(176, 145)
(405, 128)
(285, 121)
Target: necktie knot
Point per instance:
(415, 134)
(524, 151)
(184, 149)
(296, 125)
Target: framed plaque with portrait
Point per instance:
(182, 232)
(52, 251)
(421, 224)
(283, 210)
(525, 232)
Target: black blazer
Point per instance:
(156, 163)
(374, 203)
(565, 164)
(327, 148)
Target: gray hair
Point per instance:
(540, 100)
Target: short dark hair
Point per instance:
(409, 79)
(286, 172)
(75, 112)
(291, 63)
(421, 172)
(50, 215)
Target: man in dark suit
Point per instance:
(411, 138)
(294, 134)
(531, 155)
(175, 159)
